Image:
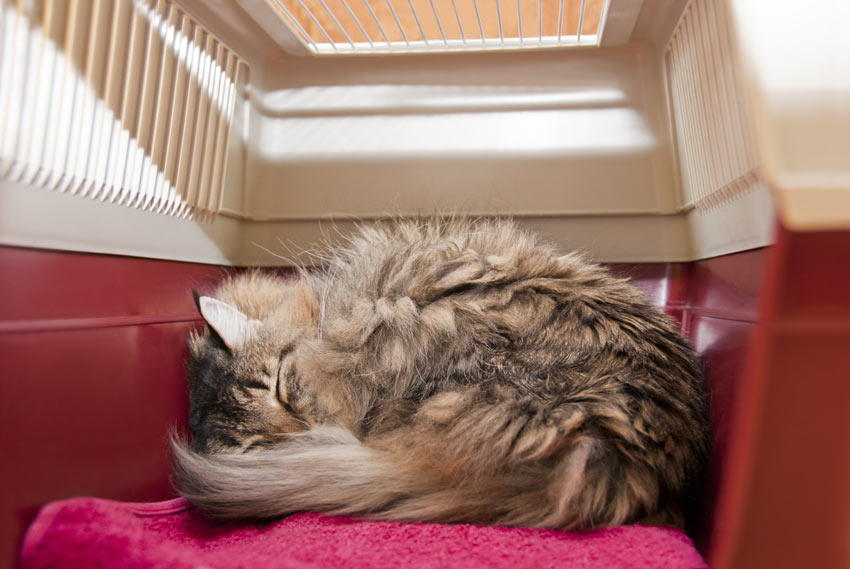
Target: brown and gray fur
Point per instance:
(448, 371)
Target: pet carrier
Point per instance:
(698, 147)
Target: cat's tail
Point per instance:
(512, 472)
(465, 456)
(324, 468)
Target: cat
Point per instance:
(442, 371)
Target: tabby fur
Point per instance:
(446, 371)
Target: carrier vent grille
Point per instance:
(128, 101)
(375, 26)
(711, 120)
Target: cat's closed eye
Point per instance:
(255, 384)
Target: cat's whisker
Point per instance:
(272, 253)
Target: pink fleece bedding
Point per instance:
(93, 533)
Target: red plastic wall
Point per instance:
(785, 500)
(91, 366)
(716, 301)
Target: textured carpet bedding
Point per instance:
(93, 533)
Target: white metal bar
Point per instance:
(25, 113)
(492, 44)
(162, 114)
(478, 17)
(519, 20)
(687, 123)
(603, 20)
(221, 137)
(499, 19)
(178, 105)
(35, 131)
(397, 22)
(10, 127)
(121, 68)
(190, 119)
(8, 30)
(99, 41)
(53, 23)
(75, 50)
(130, 105)
(696, 83)
(336, 22)
(296, 23)
(682, 94)
(749, 155)
(107, 137)
(153, 70)
(539, 21)
(437, 17)
(580, 21)
(418, 23)
(717, 83)
(238, 79)
(147, 109)
(318, 25)
(560, 19)
(713, 110)
(218, 61)
(377, 22)
(203, 116)
(459, 25)
(357, 21)
(728, 81)
(692, 63)
(676, 130)
(84, 105)
(5, 67)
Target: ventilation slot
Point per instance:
(370, 26)
(127, 101)
(712, 125)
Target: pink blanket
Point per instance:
(92, 533)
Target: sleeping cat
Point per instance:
(446, 371)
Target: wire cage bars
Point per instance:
(712, 123)
(404, 26)
(126, 101)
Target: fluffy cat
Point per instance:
(447, 371)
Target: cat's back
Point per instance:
(426, 260)
(476, 299)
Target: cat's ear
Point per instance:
(232, 326)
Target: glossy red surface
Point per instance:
(91, 352)
(665, 284)
(718, 317)
(47, 286)
(785, 498)
(727, 286)
(91, 367)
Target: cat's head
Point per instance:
(244, 391)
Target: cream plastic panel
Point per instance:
(574, 143)
(798, 71)
(55, 220)
(526, 134)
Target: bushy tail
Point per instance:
(516, 471)
(324, 468)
